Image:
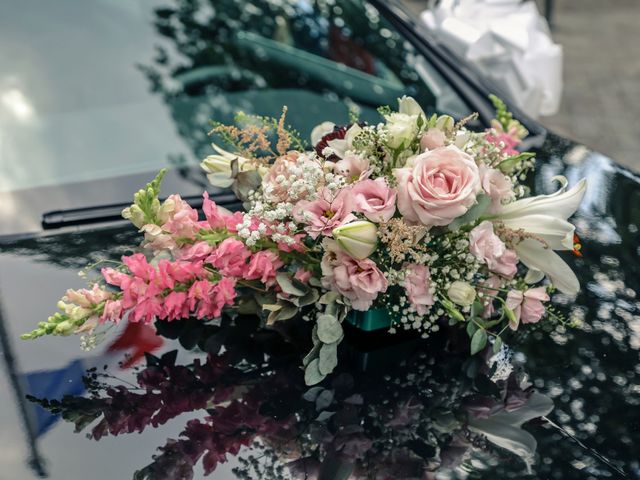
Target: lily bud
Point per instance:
(219, 167)
(359, 239)
(461, 293)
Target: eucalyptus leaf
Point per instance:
(473, 214)
(313, 354)
(478, 341)
(324, 399)
(288, 286)
(476, 309)
(328, 358)
(329, 329)
(311, 394)
(324, 416)
(312, 375)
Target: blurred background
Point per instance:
(599, 104)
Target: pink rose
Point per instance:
(230, 258)
(441, 185)
(497, 185)
(325, 213)
(358, 280)
(353, 167)
(263, 266)
(375, 199)
(432, 139)
(527, 306)
(274, 190)
(487, 247)
(416, 284)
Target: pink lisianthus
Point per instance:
(375, 199)
(358, 280)
(325, 213)
(497, 185)
(416, 284)
(487, 247)
(182, 220)
(440, 185)
(230, 257)
(527, 307)
(353, 167)
(263, 266)
(432, 139)
(274, 190)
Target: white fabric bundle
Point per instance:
(509, 42)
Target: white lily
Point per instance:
(359, 239)
(218, 167)
(544, 219)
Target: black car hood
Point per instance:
(590, 371)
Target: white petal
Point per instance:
(533, 276)
(561, 204)
(320, 131)
(409, 106)
(556, 232)
(534, 255)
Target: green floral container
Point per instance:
(371, 320)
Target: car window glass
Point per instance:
(127, 88)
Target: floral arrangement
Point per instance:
(418, 219)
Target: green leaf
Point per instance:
(471, 329)
(473, 214)
(478, 341)
(476, 309)
(329, 329)
(328, 358)
(506, 166)
(497, 345)
(312, 375)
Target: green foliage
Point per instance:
(503, 115)
(146, 204)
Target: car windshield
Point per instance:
(93, 90)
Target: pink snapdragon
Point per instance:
(375, 199)
(263, 266)
(325, 213)
(416, 283)
(230, 258)
(506, 141)
(527, 306)
(182, 219)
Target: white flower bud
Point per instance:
(461, 293)
(358, 239)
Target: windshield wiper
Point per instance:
(113, 212)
